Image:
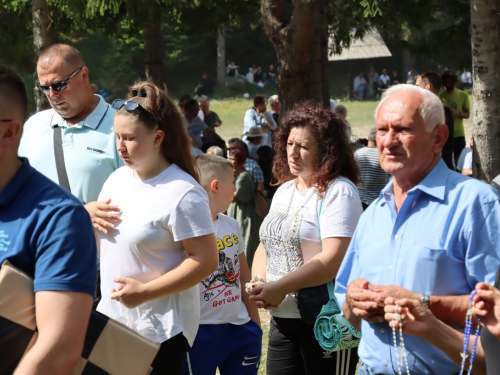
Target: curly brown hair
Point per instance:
(335, 157)
(175, 146)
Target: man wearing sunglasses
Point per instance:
(72, 143)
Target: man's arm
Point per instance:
(449, 309)
(218, 121)
(271, 124)
(62, 319)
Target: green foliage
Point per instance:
(371, 8)
(207, 16)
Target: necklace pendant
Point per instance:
(464, 356)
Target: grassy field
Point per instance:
(360, 116)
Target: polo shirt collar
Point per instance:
(92, 121)
(15, 186)
(434, 184)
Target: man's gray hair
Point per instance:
(431, 108)
(272, 99)
(372, 136)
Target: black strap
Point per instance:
(59, 155)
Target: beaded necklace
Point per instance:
(467, 333)
(401, 357)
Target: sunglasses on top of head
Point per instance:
(59, 86)
(131, 106)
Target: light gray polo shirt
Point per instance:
(89, 149)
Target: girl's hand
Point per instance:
(131, 293)
(487, 307)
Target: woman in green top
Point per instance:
(243, 206)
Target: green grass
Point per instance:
(360, 115)
(263, 357)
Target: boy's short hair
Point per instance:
(12, 83)
(210, 167)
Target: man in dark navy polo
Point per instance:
(47, 233)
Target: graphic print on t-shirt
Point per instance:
(280, 235)
(223, 287)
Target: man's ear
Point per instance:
(85, 75)
(214, 185)
(442, 134)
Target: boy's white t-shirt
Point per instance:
(156, 215)
(295, 226)
(220, 293)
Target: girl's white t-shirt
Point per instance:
(157, 214)
(290, 233)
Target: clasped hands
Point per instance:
(367, 300)
(266, 294)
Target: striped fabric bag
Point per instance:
(109, 348)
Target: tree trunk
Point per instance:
(221, 60)
(325, 68)
(153, 51)
(292, 36)
(315, 86)
(485, 30)
(42, 38)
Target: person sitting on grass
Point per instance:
(227, 315)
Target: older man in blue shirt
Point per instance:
(431, 235)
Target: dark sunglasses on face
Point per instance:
(131, 106)
(58, 86)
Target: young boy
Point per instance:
(229, 336)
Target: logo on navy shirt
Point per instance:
(4, 241)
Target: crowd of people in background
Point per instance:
(176, 221)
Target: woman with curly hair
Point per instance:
(163, 246)
(301, 247)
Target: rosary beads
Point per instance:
(467, 333)
(401, 357)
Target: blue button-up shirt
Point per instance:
(444, 239)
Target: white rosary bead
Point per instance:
(401, 357)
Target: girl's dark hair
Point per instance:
(335, 157)
(175, 146)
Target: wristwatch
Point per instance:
(425, 300)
